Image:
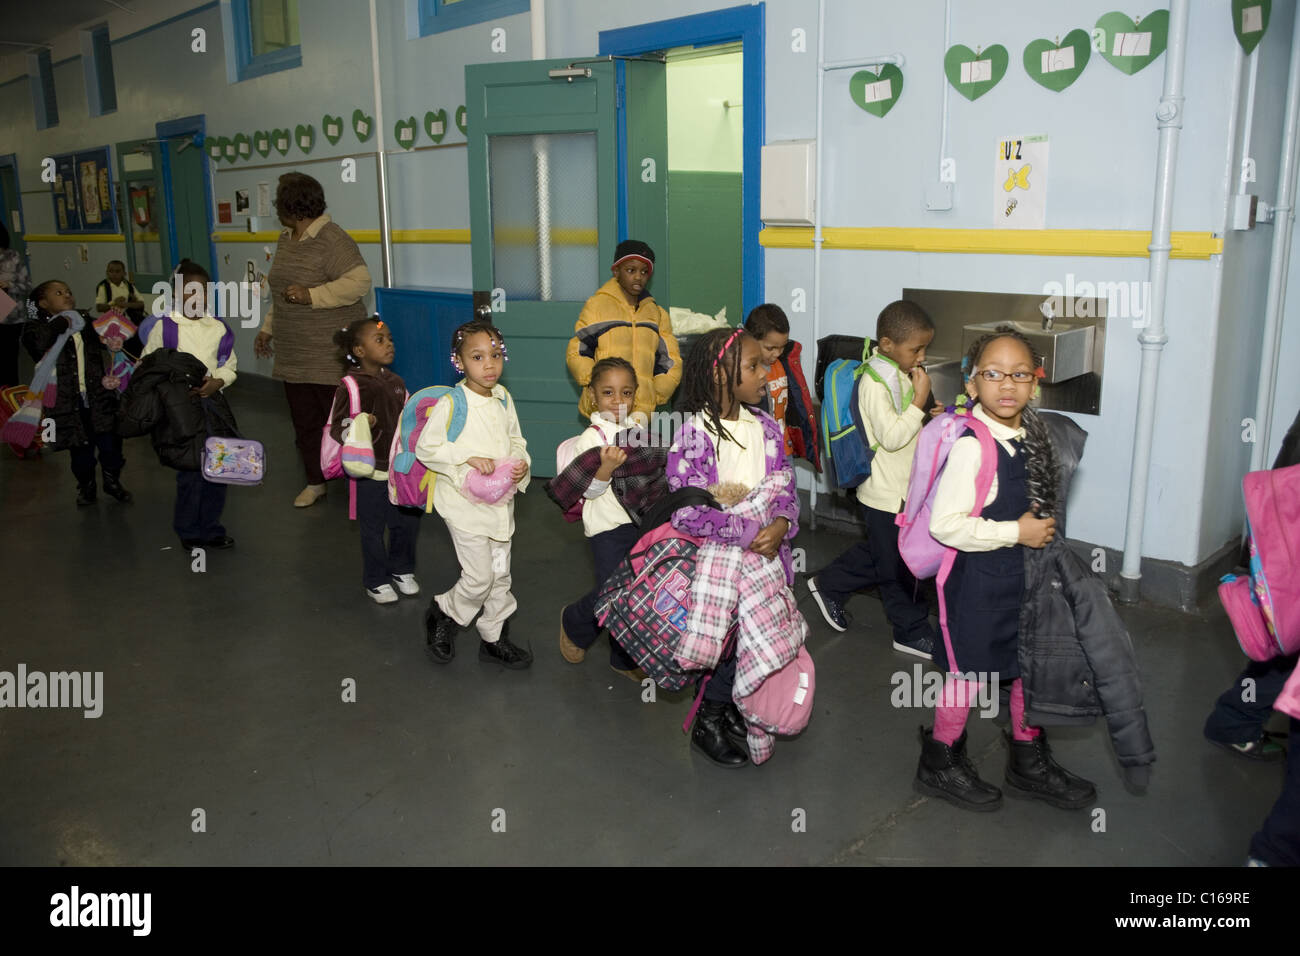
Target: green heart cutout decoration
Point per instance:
(980, 79)
(405, 131)
(877, 92)
(281, 140)
(363, 125)
(243, 146)
(332, 127)
(1057, 65)
(435, 125)
(1152, 35)
(217, 147)
(304, 137)
(231, 150)
(1252, 14)
(262, 143)
(462, 120)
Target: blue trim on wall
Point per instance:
(438, 17)
(170, 20)
(185, 126)
(248, 65)
(620, 88)
(746, 24)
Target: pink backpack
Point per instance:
(331, 452)
(1265, 606)
(922, 552)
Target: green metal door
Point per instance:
(189, 202)
(543, 179)
(142, 212)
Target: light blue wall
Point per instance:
(1102, 168)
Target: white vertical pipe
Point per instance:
(1169, 116)
(817, 224)
(1283, 222)
(542, 160)
(1249, 120)
(385, 234)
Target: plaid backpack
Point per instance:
(646, 600)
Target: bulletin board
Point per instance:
(82, 192)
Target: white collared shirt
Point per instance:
(201, 338)
(603, 512)
(950, 520)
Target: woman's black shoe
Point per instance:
(503, 652)
(709, 736)
(948, 773)
(439, 633)
(113, 488)
(1033, 772)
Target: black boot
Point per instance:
(113, 488)
(1032, 772)
(439, 633)
(947, 772)
(709, 736)
(86, 494)
(735, 727)
(502, 652)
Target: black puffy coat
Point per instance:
(38, 336)
(159, 403)
(1076, 656)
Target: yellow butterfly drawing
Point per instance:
(1015, 179)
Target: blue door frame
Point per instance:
(744, 24)
(195, 126)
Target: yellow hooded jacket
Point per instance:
(607, 328)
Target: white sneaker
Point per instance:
(384, 594)
(406, 583)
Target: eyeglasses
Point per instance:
(993, 375)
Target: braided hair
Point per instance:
(699, 391)
(345, 340)
(1042, 463)
(605, 364)
(474, 327)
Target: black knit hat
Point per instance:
(634, 249)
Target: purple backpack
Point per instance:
(1265, 606)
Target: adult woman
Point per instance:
(16, 283)
(318, 281)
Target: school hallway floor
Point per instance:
(223, 693)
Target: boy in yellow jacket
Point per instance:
(623, 320)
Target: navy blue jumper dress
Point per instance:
(984, 590)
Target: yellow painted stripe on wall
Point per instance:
(1014, 242)
(361, 236)
(95, 237)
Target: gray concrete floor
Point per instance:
(223, 692)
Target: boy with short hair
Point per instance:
(892, 399)
(115, 291)
(788, 399)
(622, 320)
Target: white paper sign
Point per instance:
(245, 149)
(282, 144)
(332, 130)
(264, 199)
(1020, 183)
(436, 127)
(880, 90)
(977, 71)
(1054, 60)
(406, 134)
(363, 128)
(1132, 44)
(1252, 20)
(304, 141)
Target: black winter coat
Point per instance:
(1076, 657)
(158, 403)
(38, 336)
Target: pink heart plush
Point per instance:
(493, 489)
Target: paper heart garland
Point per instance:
(1130, 45)
(404, 131)
(1057, 65)
(877, 92)
(435, 125)
(262, 143)
(462, 120)
(304, 137)
(332, 127)
(973, 74)
(281, 139)
(363, 125)
(243, 147)
(1249, 21)
(217, 147)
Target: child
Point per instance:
(70, 359)
(196, 517)
(788, 399)
(366, 350)
(605, 521)
(480, 532)
(115, 291)
(984, 590)
(892, 399)
(622, 320)
(727, 441)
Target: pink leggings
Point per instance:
(954, 706)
